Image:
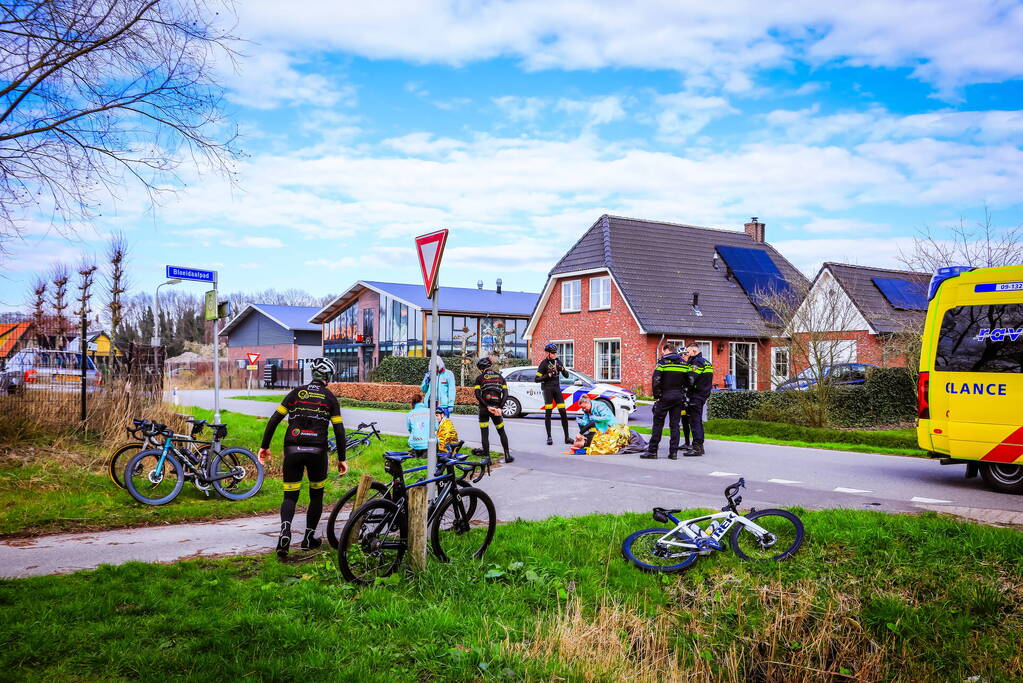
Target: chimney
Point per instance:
(498, 285)
(755, 229)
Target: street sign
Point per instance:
(210, 309)
(183, 273)
(251, 367)
(431, 249)
(253, 357)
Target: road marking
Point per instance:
(842, 489)
(783, 481)
(724, 474)
(932, 501)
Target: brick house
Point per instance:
(882, 304)
(628, 284)
(282, 335)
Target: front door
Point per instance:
(367, 362)
(743, 364)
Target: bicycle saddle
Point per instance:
(667, 511)
(397, 456)
(196, 421)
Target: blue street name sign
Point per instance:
(191, 274)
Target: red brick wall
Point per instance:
(869, 349)
(288, 352)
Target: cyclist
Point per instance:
(446, 395)
(703, 380)
(547, 374)
(312, 410)
(671, 382)
(491, 393)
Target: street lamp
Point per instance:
(156, 323)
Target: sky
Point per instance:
(845, 127)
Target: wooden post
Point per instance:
(417, 527)
(360, 494)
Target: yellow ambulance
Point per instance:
(970, 398)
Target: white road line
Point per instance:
(932, 501)
(783, 481)
(842, 489)
(724, 474)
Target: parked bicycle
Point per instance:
(156, 476)
(757, 536)
(144, 434)
(461, 521)
(357, 441)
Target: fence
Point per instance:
(198, 374)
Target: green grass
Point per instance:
(870, 597)
(269, 398)
(889, 442)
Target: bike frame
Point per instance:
(187, 459)
(699, 541)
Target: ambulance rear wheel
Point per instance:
(1004, 478)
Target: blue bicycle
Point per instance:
(756, 536)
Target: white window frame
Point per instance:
(597, 364)
(561, 344)
(754, 364)
(603, 283)
(578, 298)
(777, 379)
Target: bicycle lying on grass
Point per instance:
(356, 441)
(461, 521)
(156, 476)
(758, 535)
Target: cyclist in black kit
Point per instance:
(491, 392)
(312, 410)
(548, 375)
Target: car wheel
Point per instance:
(511, 407)
(1003, 478)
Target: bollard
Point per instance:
(417, 527)
(360, 494)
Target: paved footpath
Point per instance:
(543, 482)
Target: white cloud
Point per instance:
(682, 115)
(422, 144)
(255, 242)
(848, 226)
(596, 111)
(268, 79)
(520, 109)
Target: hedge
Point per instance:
(410, 370)
(789, 432)
(391, 393)
(380, 405)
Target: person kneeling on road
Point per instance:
(595, 418)
(491, 393)
(312, 410)
(418, 424)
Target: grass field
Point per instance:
(870, 597)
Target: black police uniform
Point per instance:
(672, 382)
(548, 375)
(491, 391)
(703, 382)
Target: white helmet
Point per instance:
(322, 369)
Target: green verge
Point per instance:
(45, 495)
(364, 405)
(869, 597)
(890, 442)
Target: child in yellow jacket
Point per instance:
(446, 432)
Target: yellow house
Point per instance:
(98, 345)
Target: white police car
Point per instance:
(525, 396)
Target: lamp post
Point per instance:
(156, 324)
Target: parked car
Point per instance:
(839, 373)
(44, 368)
(525, 397)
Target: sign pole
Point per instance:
(216, 360)
(431, 453)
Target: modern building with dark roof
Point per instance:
(281, 335)
(372, 320)
(629, 284)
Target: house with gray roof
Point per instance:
(627, 285)
(281, 335)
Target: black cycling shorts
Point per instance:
(552, 397)
(309, 459)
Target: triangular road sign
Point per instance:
(431, 249)
(253, 357)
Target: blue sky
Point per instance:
(516, 124)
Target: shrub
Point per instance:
(735, 405)
(790, 432)
(352, 403)
(892, 394)
(410, 370)
(391, 393)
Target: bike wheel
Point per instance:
(372, 542)
(150, 482)
(464, 525)
(643, 550)
(115, 466)
(355, 447)
(342, 511)
(783, 538)
(243, 475)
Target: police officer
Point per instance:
(491, 391)
(703, 381)
(671, 383)
(548, 375)
(312, 410)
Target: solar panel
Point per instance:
(903, 294)
(757, 275)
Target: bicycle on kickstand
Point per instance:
(461, 522)
(756, 536)
(156, 476)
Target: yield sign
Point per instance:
(431, 249)
(253, 357)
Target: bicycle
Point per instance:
(356, 441)
(759, 535)
(461, 522)
(144, 433)
(156, 476)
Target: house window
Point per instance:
(705, 347)
(566, 352)
(608, 360)
(600, 293)
(571, 296)
(779, 364)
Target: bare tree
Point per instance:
(117, 283)
(59, 277)
(86, 277)
(94, 91)
(38, 305)
(979, 245)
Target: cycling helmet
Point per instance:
(322, 369)
(484, 363)
(551, 348)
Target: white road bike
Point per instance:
(759, 535)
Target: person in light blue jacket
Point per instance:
(595, 418)
(446, 395)
(418, 423)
